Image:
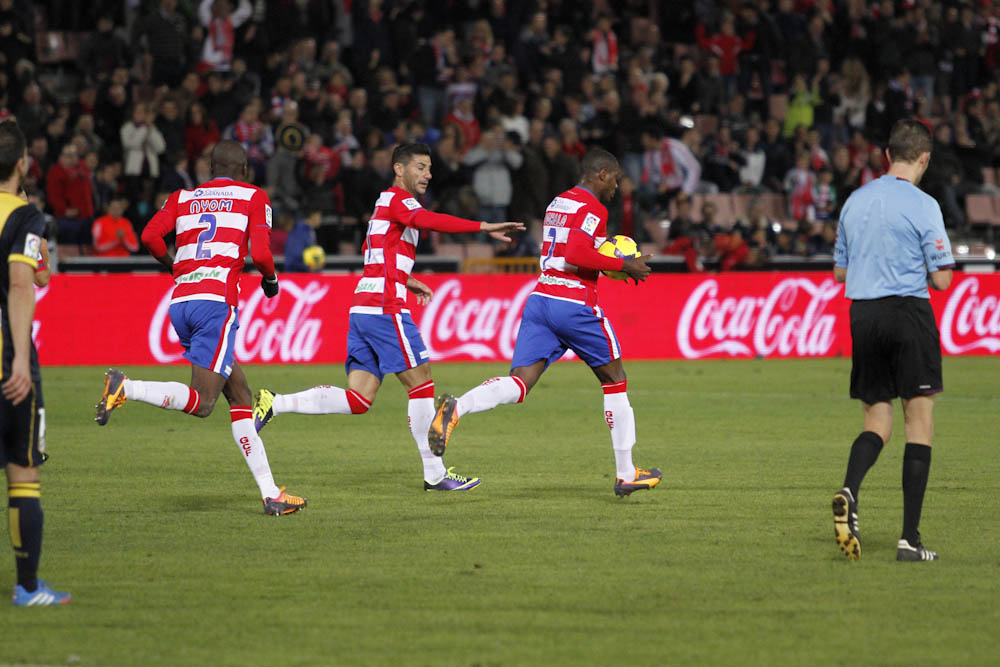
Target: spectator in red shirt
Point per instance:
(113, 233)
(463, 117)
(67, 188)
(571, 143)
(199, 133)
(726, 45)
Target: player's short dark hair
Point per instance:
(403, 153)
(597, 159)
(11, 148)
(908, 140)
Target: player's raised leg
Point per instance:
(918, 412)
(864, 453)
(167, 395)
(207, 332)
(237, 391)
(537, 346)
(493, 392)
(319, 400)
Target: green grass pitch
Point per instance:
(154, 524)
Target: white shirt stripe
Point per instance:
(218, 248)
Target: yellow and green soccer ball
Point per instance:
(622, 247)
(314, 257)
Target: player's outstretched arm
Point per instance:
(497, 230)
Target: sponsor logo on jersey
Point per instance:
(368, 286)
(411, 203)
(564, 205)
(590, 224)
(202, 274)
(546, 279)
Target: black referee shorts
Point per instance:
(22, 430)
(897, 350)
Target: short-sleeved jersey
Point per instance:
(891, 234)
(21, 229)
(577, 210)
(390, 249)
(213, 223)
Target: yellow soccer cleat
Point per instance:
(445, 421)
(644, 479)
(113, 396)
(285, 503)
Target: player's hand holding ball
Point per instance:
(635, 266)
(270, 286)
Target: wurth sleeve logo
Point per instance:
(939, 244)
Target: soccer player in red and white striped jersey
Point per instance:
(562, 314)
(382, 337)
(216, 224)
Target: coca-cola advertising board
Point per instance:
(122, 318)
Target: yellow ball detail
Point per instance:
(622, 247)
(314, 257)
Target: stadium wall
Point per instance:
(475, 317)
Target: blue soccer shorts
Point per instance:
(549, 327)
(207, 331)
(383, 344)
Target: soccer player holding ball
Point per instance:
(215, 223)
(562, 313)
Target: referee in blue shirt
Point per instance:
(891, 244)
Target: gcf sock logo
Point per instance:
(609, 417)
(245, 443)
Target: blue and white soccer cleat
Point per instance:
(43, 596)
(453, 482)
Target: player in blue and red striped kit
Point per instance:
(216, 224)
(561, 314)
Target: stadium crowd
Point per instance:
(742, 125)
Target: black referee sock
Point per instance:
(864, 454)
(916, 466)
(25, 513)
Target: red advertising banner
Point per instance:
(122, 318)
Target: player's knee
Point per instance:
(204, 408)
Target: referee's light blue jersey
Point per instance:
(891, 234)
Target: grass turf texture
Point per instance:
(153, 523)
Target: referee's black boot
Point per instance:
(845, 523)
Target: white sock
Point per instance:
(252, 449)
(420, 413)
(493, 392)
(621, 420)
(322, 400)
(166, 395)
